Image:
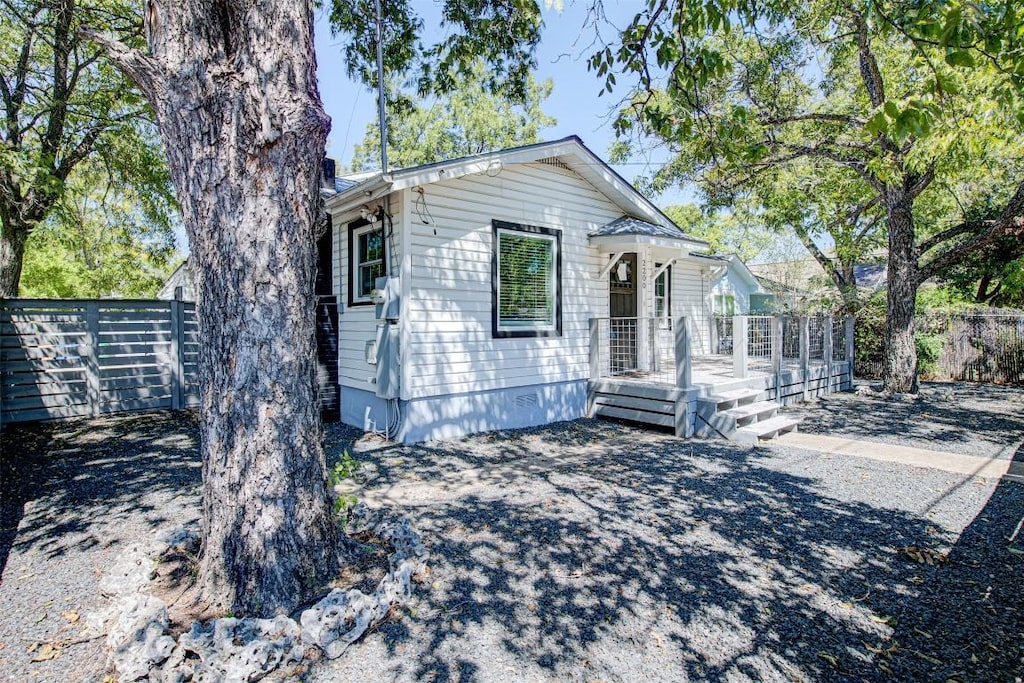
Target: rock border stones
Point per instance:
(230, 649)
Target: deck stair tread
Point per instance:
(727, 400)
(738, 395)
(751, 409)
(767, 428)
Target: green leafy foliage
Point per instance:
(343, 471)
(502, 33)
(469, 120)
(78, 140)
(726, 232)
(101, 241)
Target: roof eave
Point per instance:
(612, 242)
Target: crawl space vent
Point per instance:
(526, 400)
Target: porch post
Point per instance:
(595, 363)
(739, 346)
(777, 332)
(805, 354)
(682, 350)
(849, 351)
(827, 353)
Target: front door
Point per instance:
(622, 307)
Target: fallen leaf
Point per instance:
(41, 617)
(927, 658)
(831, 659)
(1016, 551)
(47, 651)
(70, 615)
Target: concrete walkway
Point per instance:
(994, 467)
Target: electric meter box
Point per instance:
(389, 373)
(386, 295)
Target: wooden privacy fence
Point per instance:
(69, 358)
(970, 347)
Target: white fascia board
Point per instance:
(611, 243)
(491, 163)
(369, 190)
(743, 271)
(599, 174)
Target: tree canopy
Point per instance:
(469, 120)
(63, 107)
(834, 117)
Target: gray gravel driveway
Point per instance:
(584, 551)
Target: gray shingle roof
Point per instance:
(627, 225)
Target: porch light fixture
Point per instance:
(622, 271)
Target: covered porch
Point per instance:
(643, 369)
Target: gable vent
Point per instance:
(556, 162)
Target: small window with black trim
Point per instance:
(367, 259)
(526, 274)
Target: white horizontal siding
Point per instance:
(690, 299)
(357, 324)
(449, 313)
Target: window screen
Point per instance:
(526, 280)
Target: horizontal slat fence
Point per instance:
(69, 358)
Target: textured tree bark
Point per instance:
(900, 373)
(12, 252)
(234, 88)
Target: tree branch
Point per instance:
(799, 118)
(144, 71)
(1009, 222)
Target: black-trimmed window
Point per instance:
(367, 260)
(526, 281)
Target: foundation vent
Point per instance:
(526, 400)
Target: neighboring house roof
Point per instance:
(736, 264)
(873, 277)
(181, 277)
(569, 153)
(807, 275)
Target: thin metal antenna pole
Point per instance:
(380, 93)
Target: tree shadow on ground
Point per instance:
(661, 559)
(959, 417)
(66, 482)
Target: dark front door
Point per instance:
(622, 306)
(328, 390)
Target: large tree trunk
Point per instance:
(12, 255)
(900, 373)
(234, 88)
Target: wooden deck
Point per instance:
(652, 398)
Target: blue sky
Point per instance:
(562, 56)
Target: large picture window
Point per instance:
(366, 258)
(526, 281)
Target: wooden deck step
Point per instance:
(766, 429)
(752, 412)
(733, 399)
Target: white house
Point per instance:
(490, 269)
(735, 290)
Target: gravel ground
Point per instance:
(970, 419)
(590, 551)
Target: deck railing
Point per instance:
(652, 349)
(788, 342)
